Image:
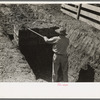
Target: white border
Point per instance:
(48, 90)
(45, 2)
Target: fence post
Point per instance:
(78, 11)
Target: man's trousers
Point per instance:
(60, 60)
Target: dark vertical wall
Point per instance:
(37, 52)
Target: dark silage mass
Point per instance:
(38, 53)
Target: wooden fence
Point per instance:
(88, 13)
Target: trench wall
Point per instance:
(84, 49)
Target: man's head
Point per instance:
(61, 31)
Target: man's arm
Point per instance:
(51, 40)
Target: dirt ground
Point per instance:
(13, 65)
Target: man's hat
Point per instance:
(61, 30)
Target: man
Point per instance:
(60, 58)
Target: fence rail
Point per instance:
(84, 12)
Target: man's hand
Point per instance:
(45, 38)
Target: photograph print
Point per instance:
(50, 42)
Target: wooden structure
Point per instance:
(88, 13)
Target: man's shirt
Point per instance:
(60, 44)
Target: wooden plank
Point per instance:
(91, 7)
(70, 7)
(78, 12)
(88, 14)
(68, 13)
(90, 23)
(76, 4)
